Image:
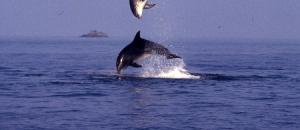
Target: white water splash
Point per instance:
(160, 67)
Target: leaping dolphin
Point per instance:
(137, 7)
(139, 48)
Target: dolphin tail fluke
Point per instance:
(149, 6)
(172, 56)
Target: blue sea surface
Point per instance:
(70, 83)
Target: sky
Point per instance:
(212, 19)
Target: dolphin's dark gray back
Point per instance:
(154, 48)
(150, 47)
(141, 46)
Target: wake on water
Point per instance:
(159, 67)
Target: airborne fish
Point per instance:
(137, 7)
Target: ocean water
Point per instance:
(70, 83)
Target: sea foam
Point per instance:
(160, 67)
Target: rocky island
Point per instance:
(94, 34)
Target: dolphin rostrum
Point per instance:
(137, 7)
(138, 49)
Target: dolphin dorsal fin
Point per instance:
(137, 35)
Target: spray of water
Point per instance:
(160, 67)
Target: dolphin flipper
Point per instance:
(133, 64)
(149, 6)
(172, 56)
